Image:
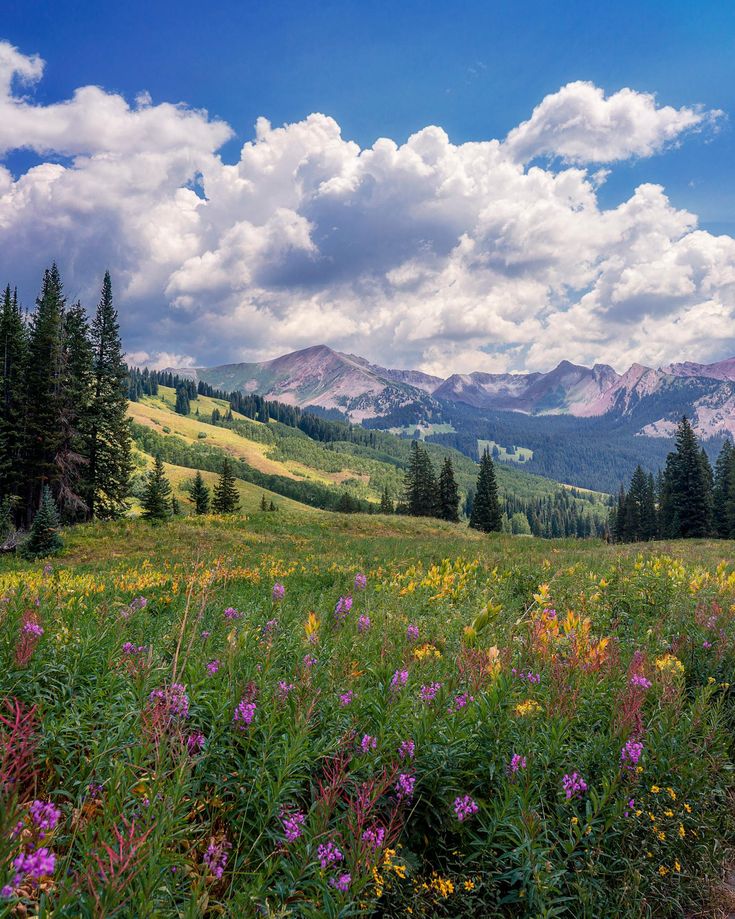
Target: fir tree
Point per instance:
(226, 498)
(448, 493)
(199, 495)
(486, 515)
(157, 495)
(13, 347)
(182, 401)
(420, 483)
(386, 503)
(44, 537)
(263, 503)
(723, 488)
(42, 432)
(110, 462)
(687, 499)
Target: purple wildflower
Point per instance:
(412, 633)
(284, 689)
(231, 613)
(278, 592)
(630, 808)
(328, 854)
(342, 882)
(32, 628)
(399, 680)
(205, 634)
(342, 608)
(428, 693)
(6, 891)
(460, 701)
(363, 623)
(574, 785)
(212, 667)
(405, 786)
(215, 858)
(368, 743)
(195, 743)
(640, 682)
(360, 581)
(44, 815)
(292, 825)
(345, 698)
(631, 753)
(517, 762)
(36, 864)
(309, 661)
(174, 699)
(270, 626)
(407, 749)
(244, 714)
(374, 836)
(464, 807)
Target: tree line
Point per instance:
(687, 500)
(64, 435)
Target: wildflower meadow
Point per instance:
(307, 718)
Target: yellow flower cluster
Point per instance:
(669, 664)
(529, 707)
(426, 651)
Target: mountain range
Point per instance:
(362, 391)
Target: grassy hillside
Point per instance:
(494, 726)
(284, 459)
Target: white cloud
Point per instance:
(432, 254)
(580, 125)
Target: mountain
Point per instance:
(362, 391)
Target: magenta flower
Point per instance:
(517, 762)
(464, 807)
(360, 581)
(461, 701)
(412, 633)
(32, 628)
(640, 682)
(428, 693)
(270, 626)
(345, 698)
(368, 743)
(342, 882)
(205, 634)
(36, 864)
(405, 786)
(195, 743)
(363, 623)
(292, 825)
(278, 592)
(212, 667)
(407, 749)
(342, 608)
(374, 836)
(173, 699)
(630, 754)
(244, 714)
(574, 786)
(309, 661)
(399, 680)
(328, 854)
(231, 613)
(215, 858)
(527, 675)
(44, 815)
(284, 689)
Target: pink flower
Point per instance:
(428, 693)
(407, 749)
(400, 678)
(345, 698)
(639, 681)
(231, 613)
(360, 582)
(195, 743)
(412, 633)
(464, 807)
(215, 858)
(328, 854)
(405, 786)
(517, 762)
(368, 743)
(212, 667)
(244, 714)
(461, 701)
(574, 785)
(630, 754)
(309, 661)
(278, 592)
(374, 836)
(342, 608)
(284, 689)
(342, 882)
(292, 825)
(363, 623)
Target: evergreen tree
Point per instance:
(420, 483)
(486, 514)
(199, 495)
(723, 488)
(13, 346)
(687, 495)
(182, 401)
(226, 498)
(386, 503)
(635, 507)
(44, 537)
(75, 414)
(649, 517)
(110, 461)
(43, 434)
(157, 495)
(448, 493)
(263, 503)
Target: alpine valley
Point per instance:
(587, 427)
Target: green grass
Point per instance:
(662, 611)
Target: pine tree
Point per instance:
(386, 503)
(42, 432)
(649, 521)
(44, 537)
(182, 401)
(110, 462)
(75, 414)
(486, 514)
(157, 495)
(635, 507)
(199, 495)
(226, 498)
(687, 495)
(722, 489)
(263, 503)
(448, 493)
(420, 487)
(13, 347)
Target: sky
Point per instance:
(451, 187)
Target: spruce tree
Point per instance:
(486, 515)
(420, 489)
(13, 347)
(44, 537)
(263, 503)
(687, 499)
(722, 489)
(386, 503)
(448, 493)
(635, 507)
(42, 431)
(110, 461)
(199, 495)
(226, 498)
(182, 400)
(157, 495)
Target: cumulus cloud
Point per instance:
(581, 125)
(449, 257)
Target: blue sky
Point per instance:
(475, 69)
